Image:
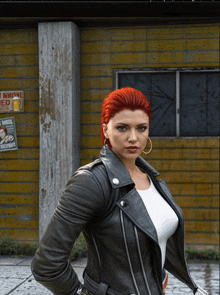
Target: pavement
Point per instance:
(16, 277)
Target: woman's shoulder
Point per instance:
(91, 166)
(92, 176)
(94, 169)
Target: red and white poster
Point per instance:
(11, 101)
(8, 138)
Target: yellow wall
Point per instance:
(189, 166)
(19, 169)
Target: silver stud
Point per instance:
(122, 203)
(115, 181)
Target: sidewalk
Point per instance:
(16, 277)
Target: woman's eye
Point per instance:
(121, 128)
(142, 128)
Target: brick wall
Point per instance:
(19, 169)
(189, 166)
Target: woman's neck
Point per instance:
(131, 167)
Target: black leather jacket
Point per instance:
(123, 252)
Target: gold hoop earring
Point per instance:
(150, 147)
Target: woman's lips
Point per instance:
(132, 149)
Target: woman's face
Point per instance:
(2, 133)
(128, 132)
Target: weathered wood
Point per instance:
(19, 165)
(59, 78)
(17, 176)
(201, 214)
(194, 189)
(24, 221)
(19, 199)
(24, 118)
(201, 238)
(191, 177)
(18, 83)
(28, 211)
(21, 153)
(24, 235)
(27, 130)
(198, 201)
(28, 142)
(201, 226)
(19, 188)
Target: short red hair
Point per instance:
(124, 98)
(4, 128)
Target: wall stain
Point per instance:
(25, 217)
(43, 192)
(47, 102)
(46, 127)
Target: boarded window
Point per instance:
(199, 104)
(183, 103)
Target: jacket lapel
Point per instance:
(132, 205)
(116, 169)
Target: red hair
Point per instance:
(4, 128)
(124, 98)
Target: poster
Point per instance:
(8, 139)
(11, 101)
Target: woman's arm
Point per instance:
(82, 200)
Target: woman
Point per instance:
(5, 137)
(133, 228)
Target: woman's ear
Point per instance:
(104, 128)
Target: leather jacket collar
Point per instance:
(116, 169)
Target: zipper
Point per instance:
(128, 255)
(97, 251)
(140, 256)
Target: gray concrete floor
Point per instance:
(16, 277)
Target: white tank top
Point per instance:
(162, 215)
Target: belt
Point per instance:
(98, 289)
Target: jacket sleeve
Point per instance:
(82, 201)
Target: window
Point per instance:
(184, 102)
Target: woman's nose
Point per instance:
(132, 136)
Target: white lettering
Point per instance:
(5, 122)
(11, 144)
(4, 146)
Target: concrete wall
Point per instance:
(59, 77)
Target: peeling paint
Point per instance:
(46, 127)
(57, 87)
(46, 99)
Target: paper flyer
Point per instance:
(8, 139)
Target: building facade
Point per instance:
(66, 70)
